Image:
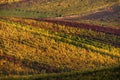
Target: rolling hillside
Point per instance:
(59, 40)
(53, 8)
(36, 47)
(97, 12)
(109, 16)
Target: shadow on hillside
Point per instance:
(110, 11)
(33, 65)
(105, 74)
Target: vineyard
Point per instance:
(53, 8)
(85, 26)
(35, 46)
(59, 40)
(65, 9)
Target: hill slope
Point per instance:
(53, 8)
(109, 16)
(104, 74)
(56, 48)
(85, 11)
(34, 47)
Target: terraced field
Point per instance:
(29, 47)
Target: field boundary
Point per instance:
(83, 26)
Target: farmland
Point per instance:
(54, 8)
(36, 47)
(59, 40)
(108, 16)
(107, 11)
